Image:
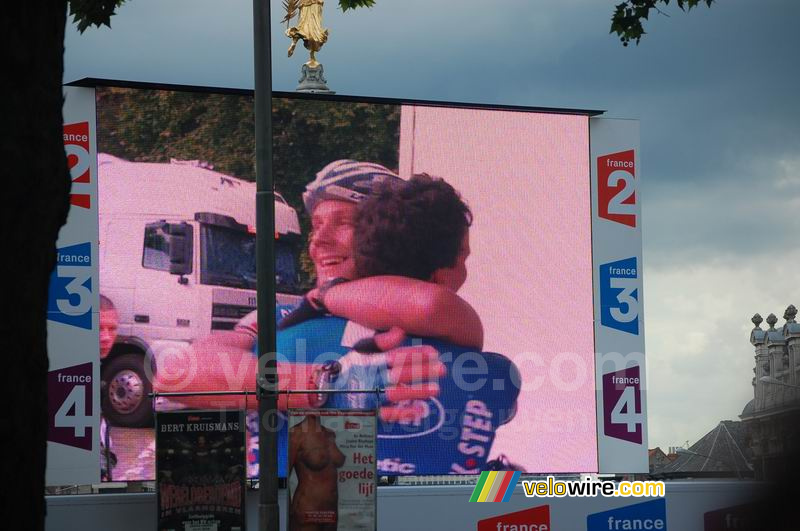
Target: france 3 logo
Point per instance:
(76, 144)
(70, 297)
(619, 295)
(616, 187)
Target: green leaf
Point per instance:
(352, 4)
(87, 13)
(627, 19)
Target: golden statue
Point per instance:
(309, 26)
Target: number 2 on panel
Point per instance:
(615, 204)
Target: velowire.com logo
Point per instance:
(495, 487)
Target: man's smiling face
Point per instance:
(332, 240)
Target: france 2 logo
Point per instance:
(76, 144)
(70, 297)
(616, 187)
(619, 295)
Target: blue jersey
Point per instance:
(455, 434)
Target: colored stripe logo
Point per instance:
(495, 487)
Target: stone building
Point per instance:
(770, 418)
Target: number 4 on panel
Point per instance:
(624, 411)
(78, 420)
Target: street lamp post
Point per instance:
(267, 383)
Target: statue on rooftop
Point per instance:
(309, 29)
(309, 26)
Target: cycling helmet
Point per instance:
(345, 180)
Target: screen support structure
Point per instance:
(267, 384)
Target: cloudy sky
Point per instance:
(716, 91)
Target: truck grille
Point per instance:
(225, 316)
(230, 311)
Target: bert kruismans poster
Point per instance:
(200, 462)
(332, 469)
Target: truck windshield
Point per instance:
(228, 257)
(286, 280)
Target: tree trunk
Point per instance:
(35, 206)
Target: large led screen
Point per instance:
(440, 253)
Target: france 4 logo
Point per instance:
(650, 515)
(619, 295)
(622, 405)
(69, 402)
(616, 187)
(76, 144)
(70, 297)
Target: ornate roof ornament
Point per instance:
(771, 321)
(757, 335)
(790, 314)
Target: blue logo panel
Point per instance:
(70, 297)
(650, 516)
(619, 295)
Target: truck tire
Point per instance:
(124, 399)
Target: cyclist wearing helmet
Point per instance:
(331, 200)
(414, 235)
(411, 304)
(418, 306)
(411, 247)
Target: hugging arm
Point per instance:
(225, 362)
(214, 365)
(420, 308)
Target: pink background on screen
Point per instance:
(526, 178)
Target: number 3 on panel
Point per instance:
(626, 298)
(75, 287)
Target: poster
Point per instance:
(332, 469)
(200, 467)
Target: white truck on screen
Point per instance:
(178, 261)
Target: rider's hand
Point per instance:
(381, 341)
(408, 374)
(306, 310)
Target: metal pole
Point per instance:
(268, 514)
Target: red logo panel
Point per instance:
(616, 187)
(534, 519)
(76, 144)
